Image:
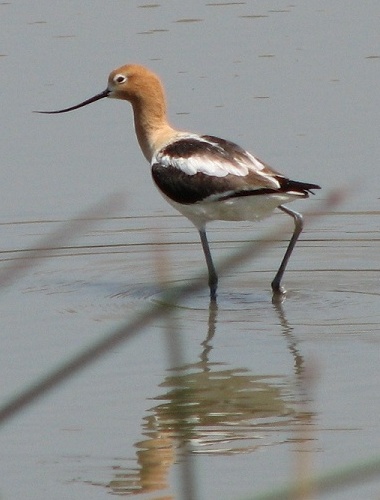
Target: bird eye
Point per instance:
(120, 79)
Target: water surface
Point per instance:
(296, 84)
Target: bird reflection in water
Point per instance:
(210, 408)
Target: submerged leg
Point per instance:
(212, 276)
(298, 226)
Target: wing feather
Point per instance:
(195, 168)
(215, 157)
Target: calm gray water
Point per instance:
(298, 84)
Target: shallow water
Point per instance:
(256, 386)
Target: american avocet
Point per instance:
(204, 177)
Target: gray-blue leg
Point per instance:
(298, 226)
(212, 276)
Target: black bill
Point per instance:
(96, 97)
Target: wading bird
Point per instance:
(204, 177)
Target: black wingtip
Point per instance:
(297, 186)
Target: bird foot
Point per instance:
(279, 295)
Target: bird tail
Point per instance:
(305, 188)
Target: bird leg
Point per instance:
(212, 276)
(298, 226)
